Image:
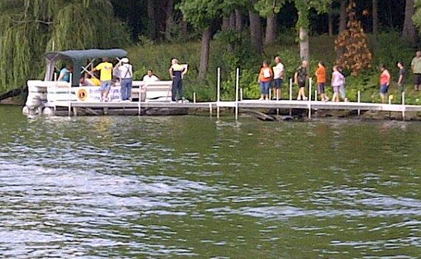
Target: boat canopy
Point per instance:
(79, 58)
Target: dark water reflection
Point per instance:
(124, 187)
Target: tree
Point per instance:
(152, 24)
(29, 28)
(170, 19)
(353, 42)
(303, 23)
(269, 9)
(202, 14)
(342, 16)
(375, 19)
(409, 33)
(255, 28)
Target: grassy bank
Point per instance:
(388, 51)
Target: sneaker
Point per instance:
(298, 99)
(305, 98)
(261, 99)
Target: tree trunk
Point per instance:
(375, 19)
(152, 20)
(204, 54)
(409, 32)
(304, 44)
(330, 21)
(238, 21)
(232, 21)
(170, 19)
(343, 16)
(271, 30)
(225, 23)
(255, 30)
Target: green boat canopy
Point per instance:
(78, 59)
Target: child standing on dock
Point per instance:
(278, 78)
(402, 76)
(106, 70)
(342, 90)
(384, 83)
(265, 78)
(321, 81)
(300, 78)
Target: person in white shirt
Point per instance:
(278, 78)
(125, 72)
(150, 77)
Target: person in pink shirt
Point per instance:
(338, 79)
(384, 83)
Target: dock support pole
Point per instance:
(309, 97)
(403, 105)
(70, 96)
(210, 110)
(139, 105)
(241, 94)
(237, 82)
(315, 96)
(55, 92)
(218, 91)
(359, 101)
(290, 89)
(194, 97)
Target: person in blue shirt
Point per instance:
(65, 74)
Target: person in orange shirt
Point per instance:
(321, 81)
(265, 78)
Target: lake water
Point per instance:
(179, 187)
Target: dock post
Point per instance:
(218, 91)
(359, 101)
(237, 82)
(315, 96)
(309, 97)
(70, 95)
(241, 94)
(290, 89)
(55, 92)
(403, 105)
(194, 97)
(139, 105)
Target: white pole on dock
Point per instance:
(70, 94)
(55, 92)
(403, 105)
(290, 89)
(194, 97)
(315, 95)
(139, 104)
(359, 101)
(237, 82)
(309, 97)
(218, 91)
(210, 110)
(241, 94)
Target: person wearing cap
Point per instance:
(177, 72)
(125, 71)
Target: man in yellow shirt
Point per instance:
(106, 70)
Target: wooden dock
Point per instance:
(214, 107)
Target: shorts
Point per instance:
(264, 87)
(335, 88)
(105, 85)
(384, 89)
(417, 79)
(321, 88)
(301, 83)
(277, 83)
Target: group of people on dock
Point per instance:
(123, 73)
(273, 78)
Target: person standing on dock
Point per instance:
(321, 81)
(384, 83)
(416, 69)
(177, 73)
(278, 78)
(265, 78)
(125, 71)
(402, 76)
(300, 78)
(106, 75)
(337, 80)
(342, 90)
